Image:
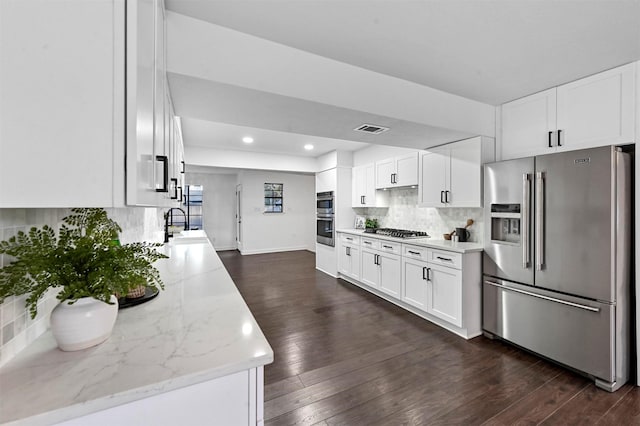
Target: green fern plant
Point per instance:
(85, 260)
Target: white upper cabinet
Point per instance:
(364, 193)
(78, 99)
(151, 162)
(61, 104)
(451, 175)
(528, 124)
(597, 110)
(593, 111)
(397, 171)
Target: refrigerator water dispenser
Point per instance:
(505, 223)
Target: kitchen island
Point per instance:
(193, 355)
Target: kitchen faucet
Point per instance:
(169, 214)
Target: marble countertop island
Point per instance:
(423, 242)
(198, 329)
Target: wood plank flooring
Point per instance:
(346, 357)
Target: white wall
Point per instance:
(218, 207)
(294, 229)
(209, 157)
(375, 153)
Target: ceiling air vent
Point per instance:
(371, 128)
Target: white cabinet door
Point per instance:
(465, 174)
(344, 262)
(61, 104)
(433, 170)
(370, 270)
(370, 185)
(358, 188)
(597, 110)
(526, 125)
(390, 274)
(354, 256)
(406, 170)
(414, 291)
(384, 173)
(446, 294)
(349, 261)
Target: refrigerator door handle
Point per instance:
(539, 220)
(526, 197)
(540, 296)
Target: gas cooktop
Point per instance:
(398, 233)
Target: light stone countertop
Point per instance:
(198, 329)
(422, 242)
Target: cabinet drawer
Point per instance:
(350, 239)
(445, 258)
(390, 247)
(371, 243)
(415, 252)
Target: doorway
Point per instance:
(239, 216)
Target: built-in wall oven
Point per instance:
(325, 218)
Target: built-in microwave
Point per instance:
(324, 203)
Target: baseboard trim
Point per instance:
(326, 272)
(225, 248)
(272, 250)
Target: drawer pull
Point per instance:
(350, 239)
(388, 247)
(444, 258)
(541, 296)
(368, 242)
(414, 252)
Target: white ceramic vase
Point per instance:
(87, 322)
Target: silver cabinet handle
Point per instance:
(526, 196)
(414, 252)
(444, 258)
(540, 296)
(539, 221)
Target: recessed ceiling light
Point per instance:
(308, 147)
(247, 139)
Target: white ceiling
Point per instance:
(489, 51)
(205, 133)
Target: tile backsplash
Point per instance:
(17, 329)
(403, 212)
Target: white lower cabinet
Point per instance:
(439, 285)
(349, 259)
(370, 271)
(446, 293)
(390, 274)
(415, 283)
(235, 399)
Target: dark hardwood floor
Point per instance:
(344, 356)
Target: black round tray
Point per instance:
(149, 293)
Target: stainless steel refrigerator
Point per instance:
(556, 260)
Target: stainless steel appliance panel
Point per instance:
(504, 184)
(573, 331)
(324, 230)
(576, 200)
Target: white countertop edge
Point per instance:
(470, 247)
(91, 406)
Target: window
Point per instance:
(273, 198)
